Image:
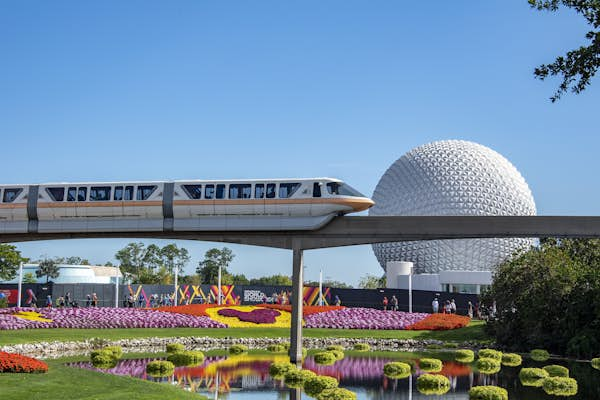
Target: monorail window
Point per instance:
(144, 192)
(128, 193)
(286, 190)
(240, 191)
(10, 195)
(333, 188)
(118, 196)
(194, 191)
(209, 191)
(270, 190)
(343, 189)
(317, 189)
(72, 194)
(259, 191)
(82, 194)
(56, 193)
(100, 193)
(220, 192)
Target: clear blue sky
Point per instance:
(113, 90)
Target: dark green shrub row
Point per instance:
(397, 370)
(488, 393)
(430, 364)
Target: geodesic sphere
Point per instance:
(452, 177)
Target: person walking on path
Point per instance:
(385, 303)
(394, 303)
(470, 310)
(88, 300)
(452, 307)
(68, 299)
(435, 305)
(49, 301)
(94, 300)
(338, 302)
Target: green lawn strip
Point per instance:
(472, 332)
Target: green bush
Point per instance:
(433, 384)
(490, 353)
(276, 348)
(238, 349)
(325, 358)
(397, 370)
(279, 369)
(362, 347)
(532, 376)
(335, 347)
(160, 368)
(488, 393)
(175, 348)
(430, 364)
(539, 355)
(186, 358)
(295, 378)
(464, 356)
(488, 365)
(3, 302)
(450, 345)
(317, 384)
(286, 345)
(336, 394)
(511, 360)
(560, 386)
(337, 353)
(434, 346)
(103, 359)
(556, 370)
(116, 351)
(596, 363)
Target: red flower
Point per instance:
(440, 322)
(10, 362)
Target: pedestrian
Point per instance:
(130, 301)
(94, 300)
(337, 300)
(394, 302)
(385, 303)
(447, 307)
(470, 310)
(435, 305)
(141, 300)
(452, 307)
(88, 300)
(61, 301)
(49, 301)
(67, 299)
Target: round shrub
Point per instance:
(433, 384)
(286, 345)
(539, 355)
(335, 347)
(488, 365)
(238, 349)
(430, 364)
(186, 358)
(532, 376)
(175, 348)
(596, 363)
(464, 356)
(317, 384)
(556, 370)
(116, 351)
(560, 386)
(337, 353)
(511, 360)
(295, 378)
(279, 369)
(103, 359)
(325, 358)
(336, 394)
(160, 368)
(362, 347)
(276, 348)
(397, 370)
(488, 393)
(490, 353)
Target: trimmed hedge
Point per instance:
(317, 384)
(464, 356)
(117, 351)
(362, 347)
(430, 364)
(532, 376)
(335, 347)
(397, 370)
(556, 370)
(238, 349)
(336, 394)
(539, 355)
(596, 363)
(186, 358)
(160, 368)
(276, 348)
(488, 393)
(433, 384)
(488, 365)
(103, 359)
(279, 369)
(560, 386)
(175, 348)
(295, 378)
(490, 353)
(511, 360)
(337, 353)
(325, 358)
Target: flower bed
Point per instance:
(252, 317)
(363, 318)
(99, 318)
(257, 315)
(190, 309)
(306, 310)
(10, 362)
(440, 322)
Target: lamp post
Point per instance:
(320, 287)
(20, 284)
(175, 283)
(219, 287)
(116, 287)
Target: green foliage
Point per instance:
(325, 358)
(117, 351)
(276, 348)
(539, 355)
(532, 376)
(238, 349)
(430, 364)
(556, 370)
(429, 384)
(314, 386)
(583, 344)
(336, 394)
(488, 393)
(464, 356)
(160, 368)
(488, 365)
(295, 378)
(490, 353)
(434, 346)
(186, 358)
(151, 264)
(48, 268)
(175, 347)
(372, 282)
(208, 268)
(10, 259)
(3, 302)
(511, 360)
(450, 345)
(279, 369)
(273, 280)
(338, 354)
(361, 347)
(106, 357)
(29, 277)
(560, 386)
(335, 347)
(397, 370)
(595, 363)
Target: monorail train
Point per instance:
(275, 204)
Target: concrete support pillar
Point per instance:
(297, 298)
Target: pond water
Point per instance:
(247, 377)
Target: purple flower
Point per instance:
(258, 316)
(363, 318)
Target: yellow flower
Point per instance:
(233, 363)
(283, 320)
(31, 316)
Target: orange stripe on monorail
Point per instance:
(83, 204)
(13, 205)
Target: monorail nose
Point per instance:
(361, 204)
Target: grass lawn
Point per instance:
(472, 332)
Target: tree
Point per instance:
(273, 280)
(131, 259)
(330, 283)
(151, 264)
(29, 277)
(208, 269)
(10, 259)
(72, 260)
(372, 282)
(239, 279)
(579, 66)
(173, 257)
(48, 268)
